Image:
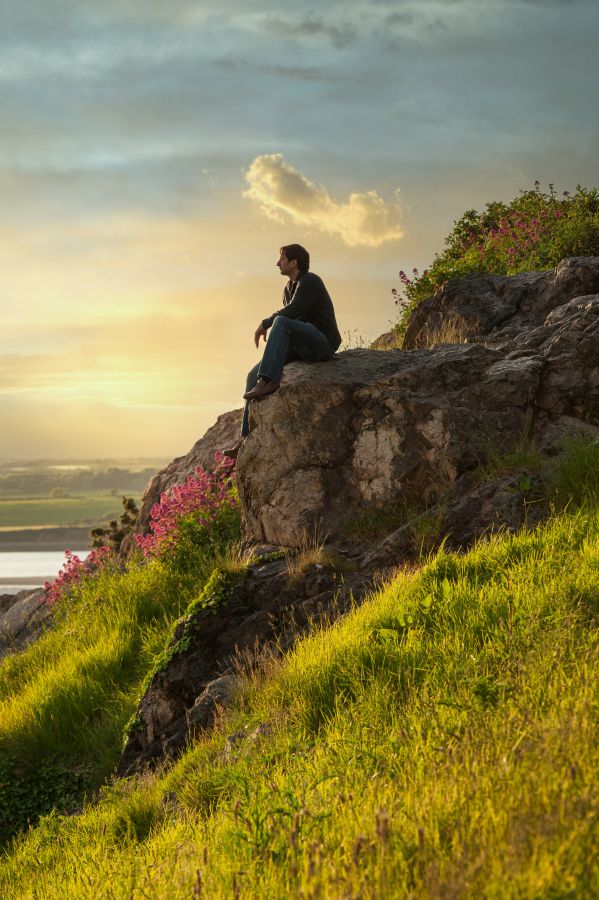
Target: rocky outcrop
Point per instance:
(264, 605)
(486, 308)
(374, 430)
(22, 619)
(224, 433)
(372, 426)
(370, 429)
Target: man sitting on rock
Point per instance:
(305, 328)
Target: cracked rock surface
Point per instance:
(495, 307)
(372, 428)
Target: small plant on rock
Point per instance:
(525, 456)
(574, 479)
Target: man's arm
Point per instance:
(306, 294)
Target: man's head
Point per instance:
(294, 260)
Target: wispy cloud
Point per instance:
(558, 3)
(364, 219)
(398, 18)
(301, 73)
(311, 27)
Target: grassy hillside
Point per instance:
(440, 741)
(65, 700)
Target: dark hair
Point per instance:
(299, 253)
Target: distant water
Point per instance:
(30, 568)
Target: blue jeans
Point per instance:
(289, 340)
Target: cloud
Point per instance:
(398, 18)
(365, 219)
(310, 27)
(302, 73)
(558, 3)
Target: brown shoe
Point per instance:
(232, 452)
(262, 389)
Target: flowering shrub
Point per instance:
(74, 569)
(535, 231)
(199, 515)
(198, 512)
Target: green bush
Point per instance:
(195, 542)
(532, 232)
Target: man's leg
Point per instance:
(250, 383)
(290, 336)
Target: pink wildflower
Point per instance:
(202, 494)
(74, 569)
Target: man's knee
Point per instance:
(280, 322)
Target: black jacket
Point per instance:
(308, 301)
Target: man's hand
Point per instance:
(260, 332)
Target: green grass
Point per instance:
(425, 525)
(525, 456)
(568, 480)
(373, 522)
(440, 741)
(86, 509)
(65, 700)
(574, 479)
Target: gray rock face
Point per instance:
(372, 428)
(558, 431)
(216, 693)
(492, 307)
(22, 618)
(224, 433)
(474, 508)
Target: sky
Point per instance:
(155, 155)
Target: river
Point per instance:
(30, 568)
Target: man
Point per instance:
(304, 328)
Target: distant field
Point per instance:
(78, 494)
(84, 509)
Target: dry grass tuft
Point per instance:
(253, 667)
(233, 559)
(453, 330)
(309, 553)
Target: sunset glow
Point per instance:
(155, 156)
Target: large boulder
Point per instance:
(22, 618)
(372, 428)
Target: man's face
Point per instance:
(285, 267)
